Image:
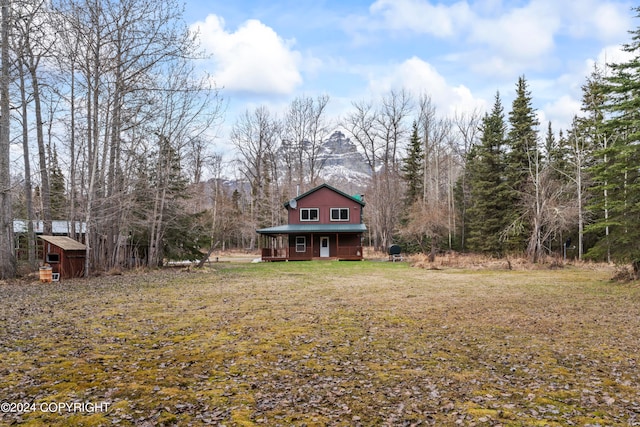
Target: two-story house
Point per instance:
(323, 223)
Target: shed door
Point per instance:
(324, 247)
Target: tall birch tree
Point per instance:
(7, 252)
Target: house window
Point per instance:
(309, 214)
(301, 244)
(339, 214)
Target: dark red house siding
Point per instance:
(340, 245)
(324, 199)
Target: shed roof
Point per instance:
(65, 243)
(314, 228)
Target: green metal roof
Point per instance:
(314, 228)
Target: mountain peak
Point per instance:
(341, 161)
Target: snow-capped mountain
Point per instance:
(341, 161)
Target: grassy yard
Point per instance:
(324, 343)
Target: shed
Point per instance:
(65, 256)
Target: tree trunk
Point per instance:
(432, 252)
(45, 192)
(31, 240)
(206, 257)
(93, 136)
(72, 163)
(7, 247)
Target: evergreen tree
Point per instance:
(550, 142)
(522, 142)
(163, 228)
(557, 151)
(57, 188)
(617, 171)
(488, 210)
(591, 123)
(598, 137)
(412, 168)
(414, 221)
(587, 136)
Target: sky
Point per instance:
(268, 52)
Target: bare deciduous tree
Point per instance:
(127, 76)
(7, 255)
(549, 206)
(468, 129)
(255, 135)
(426, 226)
(435, 132)
(361, 125)
(17, 47)
(304, 128)
(379, 131)
(33, 48)
(394, 110)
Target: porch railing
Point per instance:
(275, 253)
(349, 251)
(343, 252)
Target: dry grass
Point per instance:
(483, 262)
(326, 343)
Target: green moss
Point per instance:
(242, 417)
(166, 417)
(483, 412)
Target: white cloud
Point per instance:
(521, 33)
(420, 77)
(422, 17)
(561, 109)
(611, 55)
(254, 58)
(611, 22)
(560, 112)
(605, 21)
(498, 34)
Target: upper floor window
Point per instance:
(309, 214)
(339, 214)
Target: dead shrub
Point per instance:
(452, 259)
(623, 274)
(115, 271)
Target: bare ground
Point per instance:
(324, 343)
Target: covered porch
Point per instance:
(308, 242)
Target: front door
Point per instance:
(324, 247)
